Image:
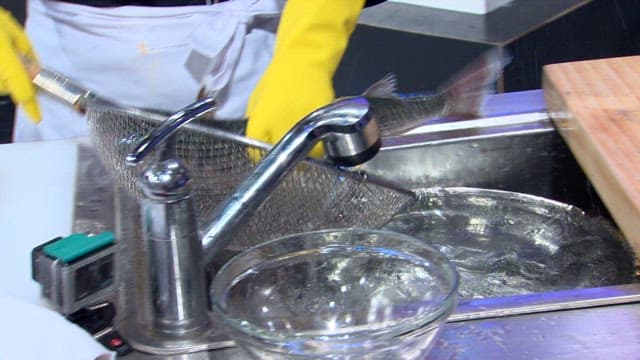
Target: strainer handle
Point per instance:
(63, 88)
(163, 132)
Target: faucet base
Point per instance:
(213, 338)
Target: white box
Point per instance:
(479, 7)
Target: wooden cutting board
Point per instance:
(596, 107)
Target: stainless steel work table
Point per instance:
(601, 332)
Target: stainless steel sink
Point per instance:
(521, 153)
(506, 242)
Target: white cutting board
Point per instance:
(37, 182)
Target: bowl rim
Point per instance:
(397, 329)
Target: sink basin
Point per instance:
(524, 154)
(509, 204)
(520, 154)
(505, 243)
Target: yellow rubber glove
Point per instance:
(312, 37)
(15, 51)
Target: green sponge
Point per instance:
(76, 246)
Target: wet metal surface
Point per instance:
(524, 157)
(597, 333)
(593, 332)
(506, 243)
(94, 201)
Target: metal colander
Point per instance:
(313, 196)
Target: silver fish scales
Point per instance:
(463, 96)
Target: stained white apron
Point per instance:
(149, 57)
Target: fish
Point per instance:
(463, 96)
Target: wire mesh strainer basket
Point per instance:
(313, 196)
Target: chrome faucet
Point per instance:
(168, 300)
(178, 252)
(350, 138)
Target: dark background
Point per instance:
(425, 46)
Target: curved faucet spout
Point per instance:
(350, 137)
(164, 133)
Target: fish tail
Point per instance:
(467, 91)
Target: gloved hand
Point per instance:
(312, 37)
(15, 51)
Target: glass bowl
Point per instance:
(339, 294)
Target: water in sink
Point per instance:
(506, 243)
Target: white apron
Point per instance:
(149, 57)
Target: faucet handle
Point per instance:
(163, 132)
